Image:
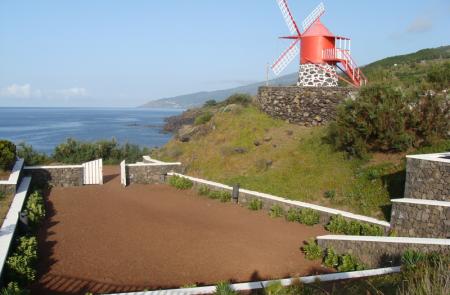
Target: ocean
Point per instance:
(44, 128)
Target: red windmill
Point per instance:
(321, 52)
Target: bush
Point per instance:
(312, 250)
(210, 103)
(339, 225)
(384, 119)
(411, 258)
(203, 118)
(13, 288)
(276, 211)
(309, 216)
(331, 258)
(35, 208)
(293, 215)
(204, 190)
(224, 288)
(255, 204)
(31, 157)
(180, 183)
(223, 196)
(239, 98)
(7, 154)
(349, 263)
(77, 152)
(21, 263)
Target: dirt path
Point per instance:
(110, 239)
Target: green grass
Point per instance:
(303, 165)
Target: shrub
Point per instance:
(293, 215)
(224, 288)
(340, 225)
(7, 154)
(349, 263)
(180, 183)
(13, 288)
(411, 258)
(276, 211)
(255, 204)
(331, 258)
(223, 196)
(203, 118)
(309, 216)
(204, 190)
(331, 194)
(312, 250)
(239, 98)
(21, 263)
(384, 119)
(30, 156)
(35, 208)
(210, 103)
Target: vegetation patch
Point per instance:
(7, 155)
(276, 211)
(180, 183)
(21, 264)
(339, 225)
(255, 204)
(312, 250)
(35, 208)
(224, 288)
(203, 118)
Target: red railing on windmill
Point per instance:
(318, 46)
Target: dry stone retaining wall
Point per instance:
(378, 253)
(60, 176)
(427, 179)
(420, 220)
(309, 106)
(149, 173)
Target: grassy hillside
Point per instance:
(261, 153)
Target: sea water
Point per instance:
(44, 128)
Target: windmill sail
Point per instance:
(286, 58)
(288, 17)
(313, 16)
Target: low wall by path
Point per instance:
(381, 251)
(150, 173)
(309, 106)
(9, 186)
(245, 196)
(420, 218)
(57, 176)
(428, 177)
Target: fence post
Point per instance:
(235, 195)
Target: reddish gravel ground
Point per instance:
(107, 238)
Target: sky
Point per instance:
(124, 53)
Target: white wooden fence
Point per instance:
(123, 173)
(93, 172)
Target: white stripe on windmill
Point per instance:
(316, 45)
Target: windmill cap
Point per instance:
(317, 29)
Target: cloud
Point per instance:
(16, 90)
(419, 25)
(72, 92)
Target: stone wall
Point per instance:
(58, 176)
(427, 179)
(378, 254)
(149, 173)
(246, 196)
(312, 75)
(309, 106)
(419, 220)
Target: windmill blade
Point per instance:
(286, 57)
(288, 17)
(313, 16)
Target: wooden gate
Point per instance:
(123, 173)
(93, 172)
